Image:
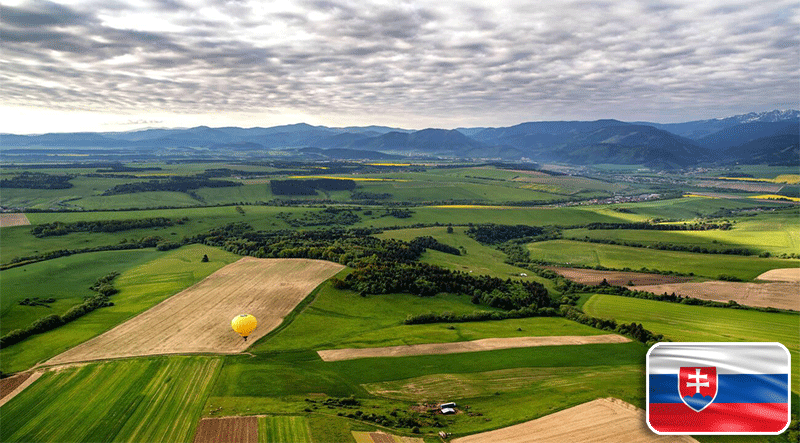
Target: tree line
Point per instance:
(309, 187)
(103, 289)
(174, 184)
(660, 226)
(60, 228)
(37, 180)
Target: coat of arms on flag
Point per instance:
(718, 388)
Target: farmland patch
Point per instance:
(785, 274)
(227, 429)
(10, 387)
(198, 318)
(283, 429)
(765, 295)
(487, 344)
(383, 437)
(8, 219)
(602, 420)
(617, 278)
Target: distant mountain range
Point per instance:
(768, 137)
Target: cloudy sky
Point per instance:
(104, 65)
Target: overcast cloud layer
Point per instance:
(413, 64)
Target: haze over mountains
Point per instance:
(759, 138)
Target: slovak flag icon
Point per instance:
(718, 388)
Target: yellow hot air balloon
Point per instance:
(244, 324)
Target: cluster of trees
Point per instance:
(36, 301)
(362, 195)
(669, 246)
(103, 288)
(493, 234)
(174, 184)
(327, 217)
(352, 247)
(398, 213)
(449, 317)
(38, 180)
(429, 242)
(59, 228)
(428, 280)
(661, 227)
(310, 187)
(633, 330)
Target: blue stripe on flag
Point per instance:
(732, 388)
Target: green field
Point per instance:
(282, 429)
(577, 253)
(690, 208)
(141, 287)
(65, 279)
(695, 323)
(154, 399)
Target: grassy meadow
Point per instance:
(140, 287)
(695, 323)
(711, 266)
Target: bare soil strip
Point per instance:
(382, 437)
(606, 420)
(742, 185)
(228, 430)
(764, 295)
(9, 219)
(197, 320)
(486, 344)
(10, 387)
(616, 278)
(783, 274)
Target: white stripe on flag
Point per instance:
(728, 358)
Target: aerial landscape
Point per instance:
(442, 223)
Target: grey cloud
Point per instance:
(331, 57)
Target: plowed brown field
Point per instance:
(617, 278)
(783, 274)
(198, 318)
(227, 430)
(599, 421)
(765, 295)
(7, 220)
(10, 387)
(487, 344)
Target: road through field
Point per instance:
(486, 344)
(198, 319)
(603, 420)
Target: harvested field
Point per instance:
(198, 318)
(764, 295)
(785, 274)
(742, 185)
(599, 421)
(617, 278)
(7, 220)
(227, 429)
(11, 386)
(486, 344)
(382, 437)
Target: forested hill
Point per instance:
(749, 138)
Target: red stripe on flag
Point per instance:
(719, 417)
